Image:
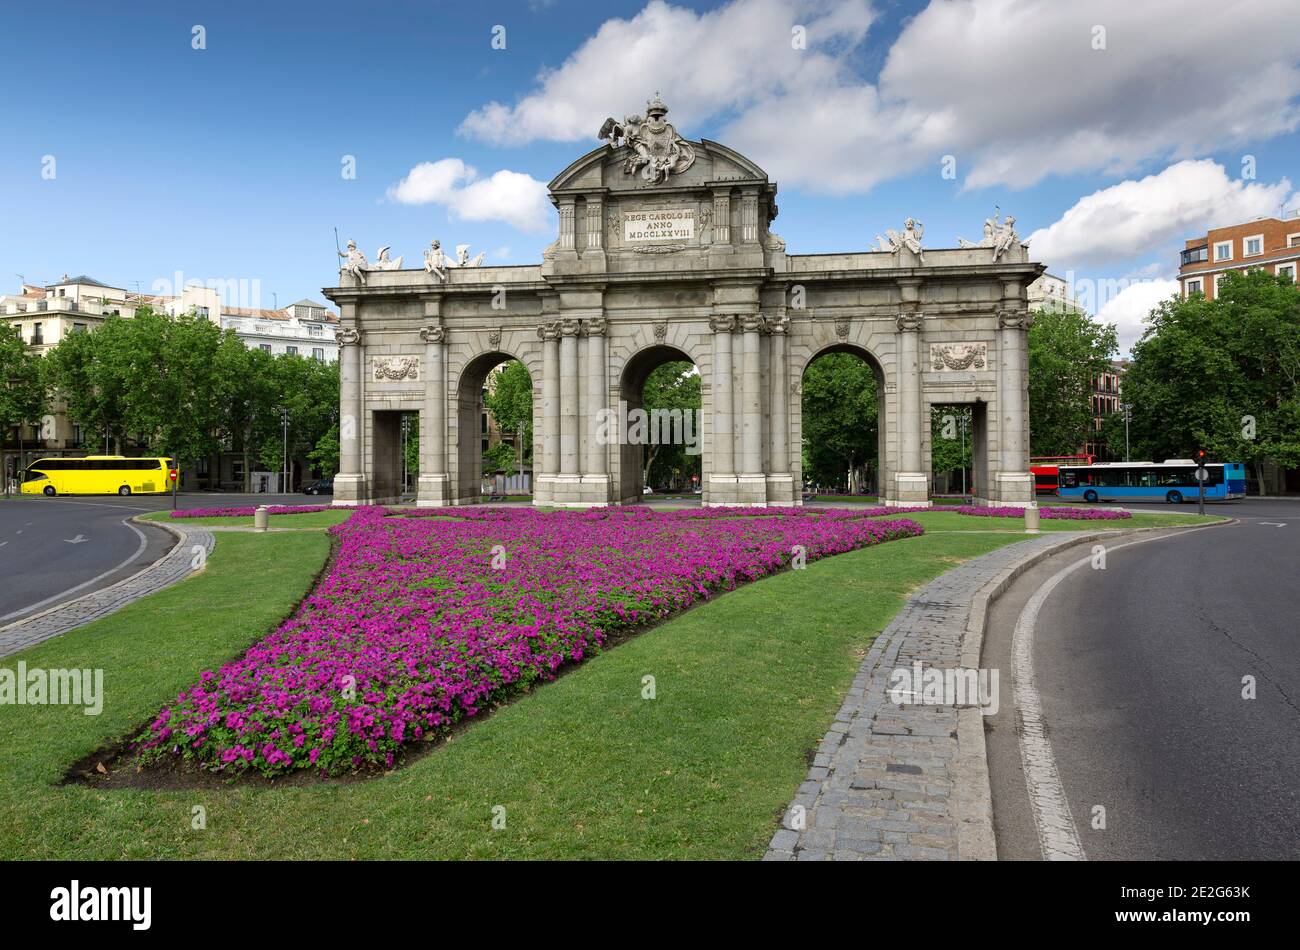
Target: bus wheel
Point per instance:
(124, 490)
(1090, 495)
(49, 490)
(1174, 498)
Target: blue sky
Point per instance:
(224, 163)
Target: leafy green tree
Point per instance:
(510, 401)
(81, 377)
(22, 381)
(325, 456)
(1067, 351)
(1220, 375)
(309, 390)
(950, 439)
(840, 418)
(673, 387)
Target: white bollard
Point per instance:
(261, 518)
(1031, 518)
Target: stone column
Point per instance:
(911, 486)
(596, 478)
(749, 219)
(595, 223)
(570, 463)
(434, 482)
(780, 394)
(751, 486)
(550, 335)
(350, 483)
(1014, 484)
(566, 223)
(722, 476)
(721, 218)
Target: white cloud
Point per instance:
(1138, 216)
(513, 197)
(1129, 308)
(1013, 88)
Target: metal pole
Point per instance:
(1200, 490)
(963, 455)
(284, 420)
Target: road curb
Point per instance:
(972, 793)
(173, 566)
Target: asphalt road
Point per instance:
(1140, 670)
(55, 549)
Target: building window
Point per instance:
(264, 347)
(1286, 270)
(78, 328)
(1223, 251)
(37, 338)
(1293, 240)
(1252, 246)
(1194, 287)
(291, 350)
(1218, 282)
(318, 354)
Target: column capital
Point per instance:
(549, 331)
(1015, 319)
(434, 333)
(569, 326)
(910, 321)
(594, 326)
(722, 323)
(751, 323)
(347, 336)
(778, 324)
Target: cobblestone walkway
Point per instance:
(881, 786)
(176, 564)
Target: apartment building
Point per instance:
(1052, 293)
(1106, 398)
(1269, 243)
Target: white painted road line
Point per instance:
(1057, 836)
(144, 542)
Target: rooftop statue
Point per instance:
(999, 235)
(354, 262)
(909, 237)
(384, 262)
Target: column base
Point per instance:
(781, 491)
(1013, 489)
(910, 490)
(433, 491)
(568, 491)
(350, 490)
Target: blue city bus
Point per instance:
(1173, 480)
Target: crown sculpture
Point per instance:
(657, 150)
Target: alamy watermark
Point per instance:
(625, 426)
(918, 686)
(40, 687)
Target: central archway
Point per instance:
(660, 432)
(477, 430)
(842, 446)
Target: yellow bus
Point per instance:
(99, 475)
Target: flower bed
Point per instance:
(1068, 514)
(248, 510)
(414, 629)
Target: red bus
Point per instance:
(1044, 468)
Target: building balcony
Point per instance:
(1196, 255)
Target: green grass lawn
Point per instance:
(585, 768)
(310, 519)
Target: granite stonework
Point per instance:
(658, 259)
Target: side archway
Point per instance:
(660, 430)
(475, 430)
(843, 430)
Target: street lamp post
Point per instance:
(406, 431)
(284, 465)
(963, 457)
(1128, 414)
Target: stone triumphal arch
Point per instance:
(665, 252)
